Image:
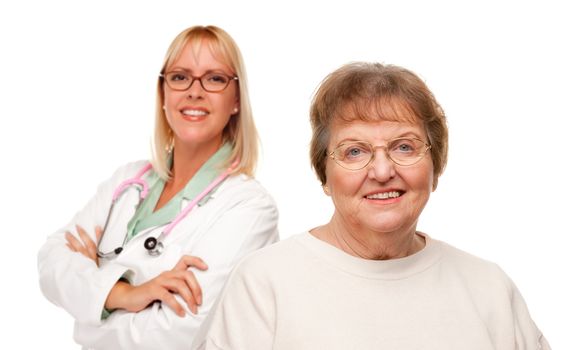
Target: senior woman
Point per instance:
(146, 278)
(368, 279)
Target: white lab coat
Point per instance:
(239, 218)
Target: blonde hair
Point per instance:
(372, 92)
(240, 131)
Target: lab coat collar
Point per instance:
(146, 217)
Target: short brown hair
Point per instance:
(372, 92)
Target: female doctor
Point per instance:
(140, 265)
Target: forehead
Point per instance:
(383, 108)
(374, 131)
(201, 55)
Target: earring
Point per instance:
(164, 107)
(325, 189)
(235, 110)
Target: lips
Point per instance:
(385, 195)
(194, 114)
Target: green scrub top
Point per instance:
(145, 217)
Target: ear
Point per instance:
(236, 108)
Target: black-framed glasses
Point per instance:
(210, 81)
(356, 155)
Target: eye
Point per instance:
(405, 146)
(216, 78)
(353, 152)
(177, 76)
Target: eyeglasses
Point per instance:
(356, 155)
(210, 82)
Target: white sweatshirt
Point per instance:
(303, 293)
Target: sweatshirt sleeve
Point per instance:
(527, 334)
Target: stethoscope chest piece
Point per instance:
(153, 246)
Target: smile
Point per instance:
(384, 195)
(194, 112)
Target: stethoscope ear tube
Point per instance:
(154, 245)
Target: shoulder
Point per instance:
(244, 189)
(129, 170)
(120, 174)
(243, 183)
(475, 270)
(465, 259)
(273, 260)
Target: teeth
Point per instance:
(384, 195)
(194, 112)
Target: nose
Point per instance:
(381, 169)
(195, 90)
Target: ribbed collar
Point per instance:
(393, 269)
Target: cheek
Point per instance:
(343, 183)
(171, 99)
(420, 179)
(227, 99)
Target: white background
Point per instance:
(77, 84)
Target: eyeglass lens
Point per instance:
(211, 82)
(357, 155)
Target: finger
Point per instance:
(99, 232)
(88, 242)
(70, 246)
(177, 284)
(187, 261)
(168, 298)
(194, 286)
(74, 242)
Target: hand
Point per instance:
(87, 246)
(179, 280)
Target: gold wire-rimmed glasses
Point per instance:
(211, 81)
(356, 155)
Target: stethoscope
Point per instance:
(154, 245)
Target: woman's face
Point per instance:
(355, 193)
(198, 117)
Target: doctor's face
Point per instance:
(198, 117)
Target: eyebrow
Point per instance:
(406, 134)
(189, 71)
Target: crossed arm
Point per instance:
(179, 280)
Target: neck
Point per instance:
(189, 159)
(368, 244)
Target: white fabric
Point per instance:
(303, 293)
(239, 218)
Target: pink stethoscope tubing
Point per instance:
(154, 245)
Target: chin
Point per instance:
(385, 223)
